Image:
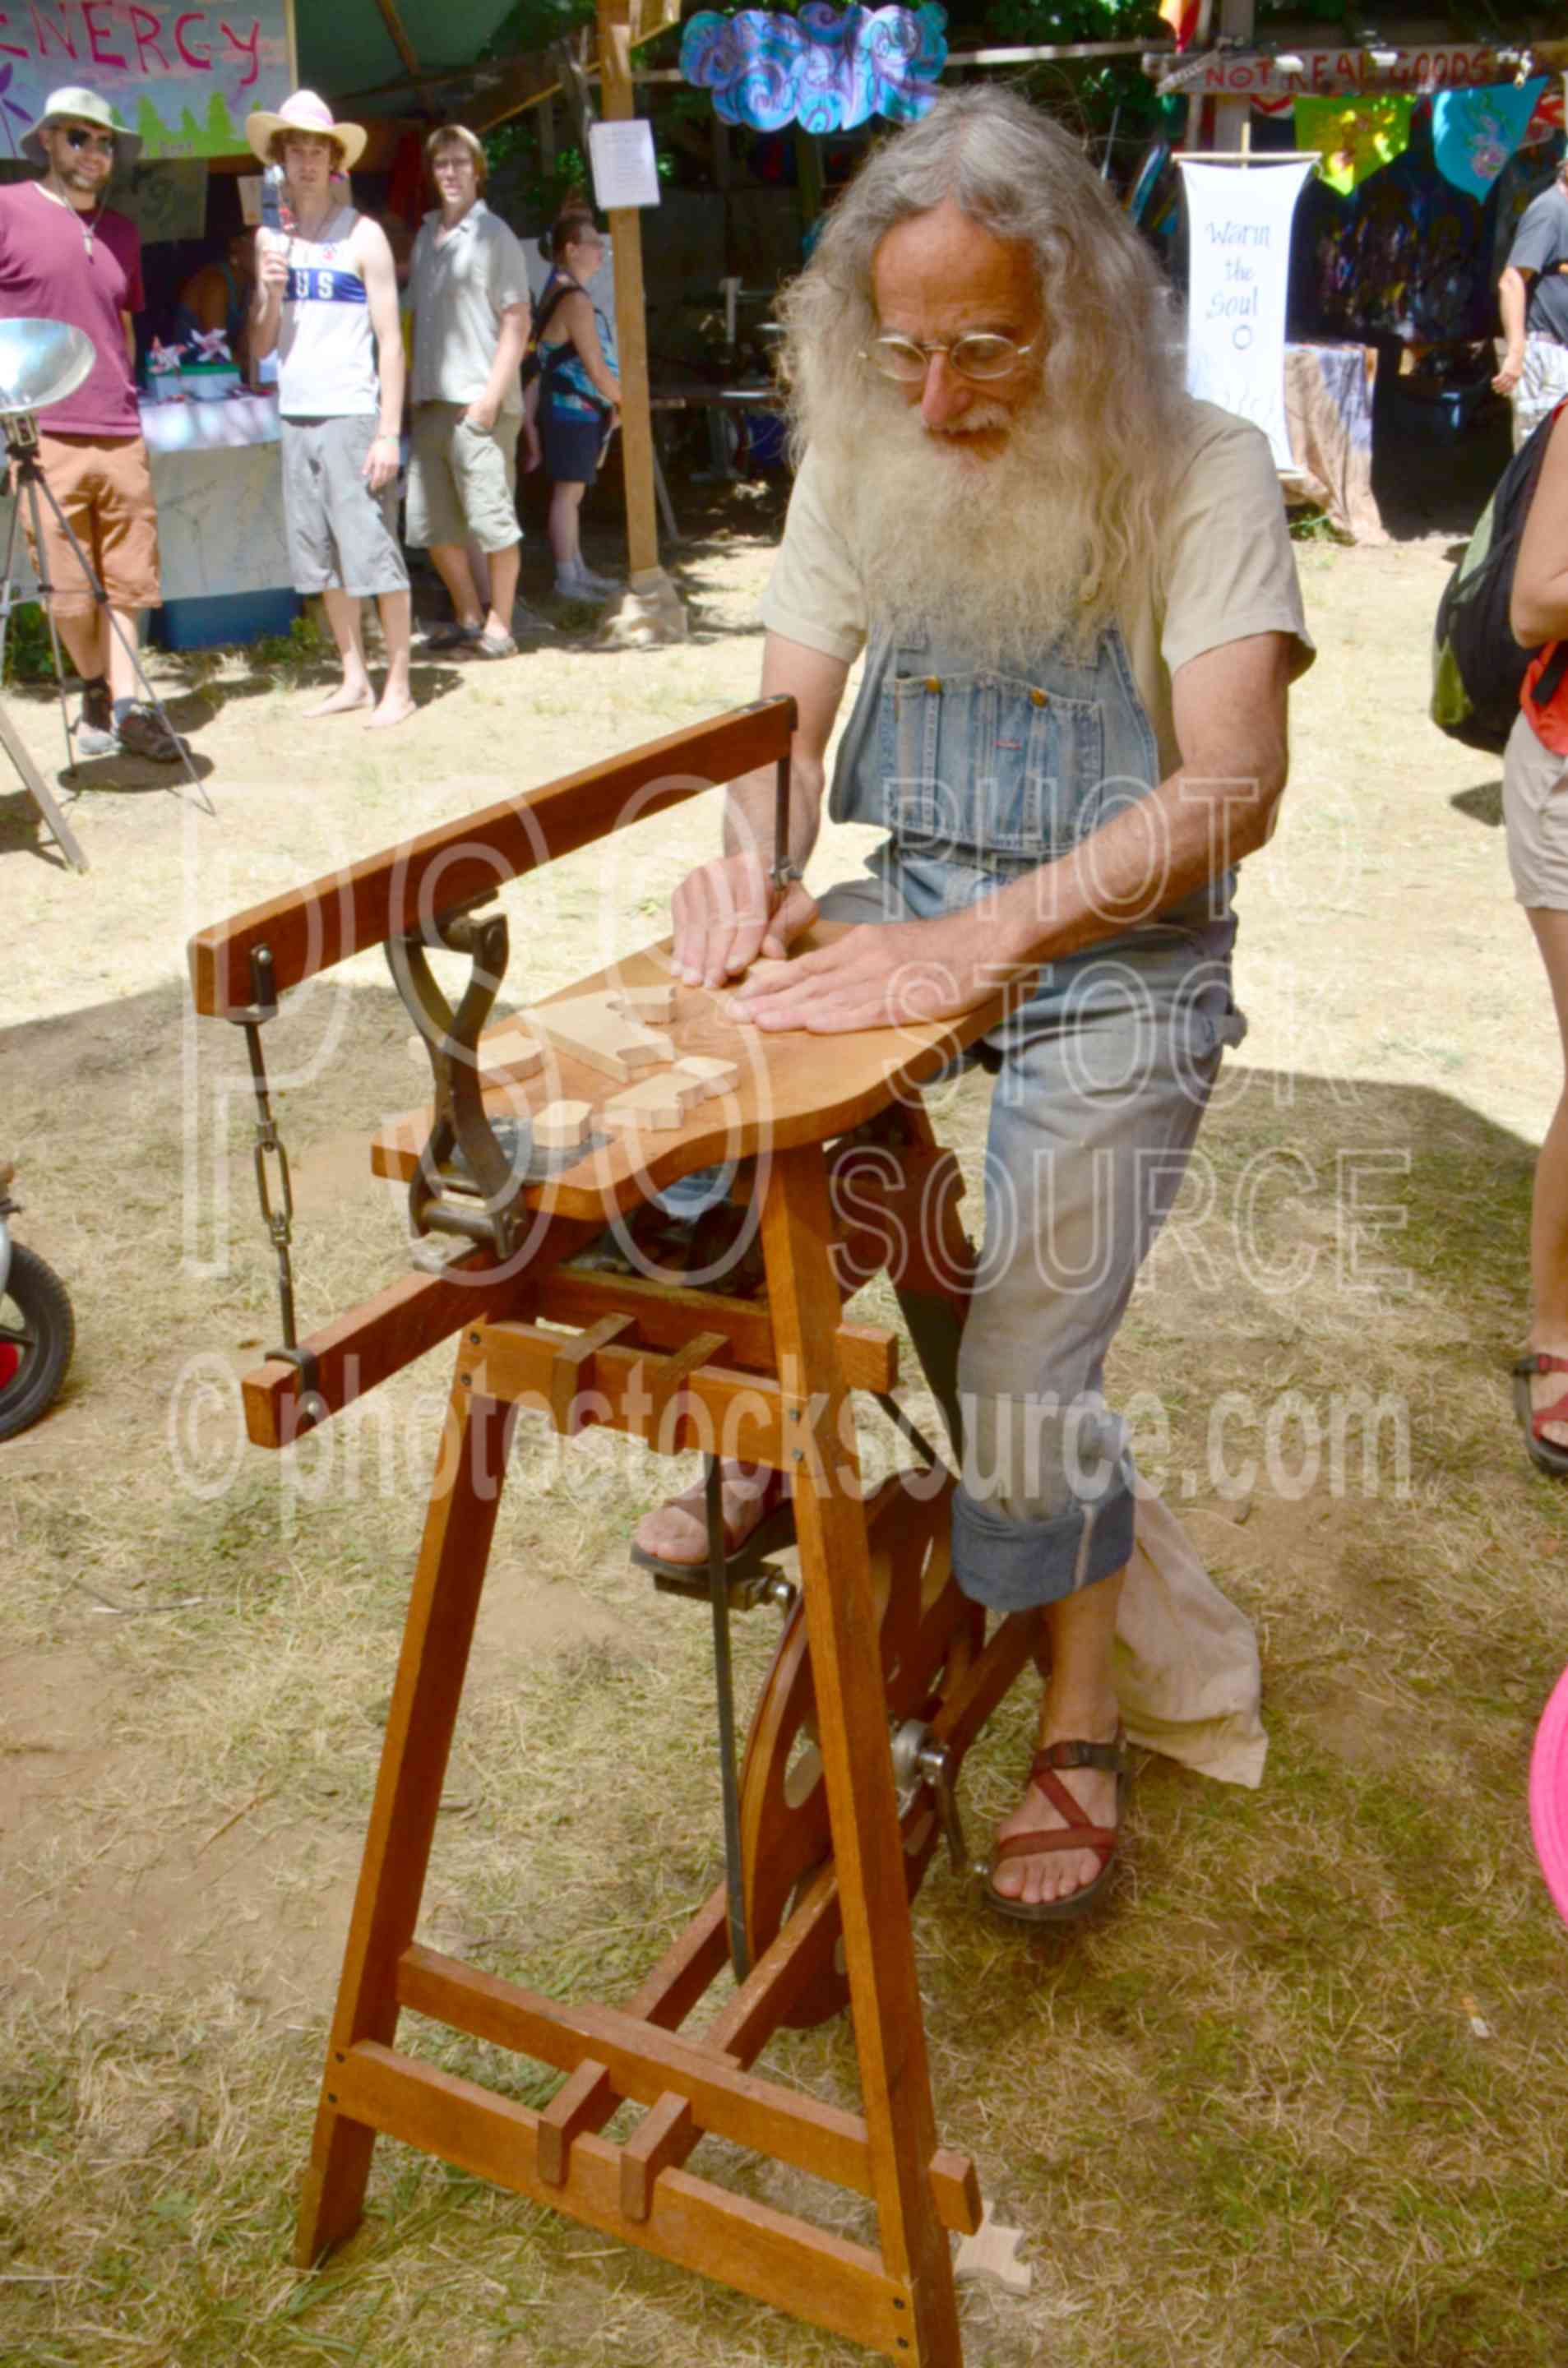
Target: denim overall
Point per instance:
(979, 776)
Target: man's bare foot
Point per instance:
(1056, 1875)
(342, 701)
(391, 711)
(677, 1531)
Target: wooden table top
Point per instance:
(792, 1089)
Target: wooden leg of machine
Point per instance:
(857, 1759)
(437, 1637)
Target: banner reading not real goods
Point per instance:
(1238, 221)
(184, 77)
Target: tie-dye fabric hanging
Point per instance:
(828, 69)
(1354, 136)
(1475, 132)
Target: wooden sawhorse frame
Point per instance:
(883, 1672)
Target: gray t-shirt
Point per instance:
(458, 289)
(1541, 245)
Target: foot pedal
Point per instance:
(750, 1578)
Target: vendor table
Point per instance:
(218, 482)
(1328, 409)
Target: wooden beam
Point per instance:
(310, 930)
(645, 2064)
(630, 309)
(397, 32)
(531, 81)
(807, 2272)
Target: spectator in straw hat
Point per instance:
(326, 298)
(65, 257)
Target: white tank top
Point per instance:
(327, 349)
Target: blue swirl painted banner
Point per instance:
(829, 69)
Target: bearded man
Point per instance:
(1077, 596)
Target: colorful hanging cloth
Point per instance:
(1354, 137)
(827, 69)
(1182, 16)
(1475, 132)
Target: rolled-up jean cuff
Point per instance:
(1018, 1566)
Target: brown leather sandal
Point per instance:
(1545, 1454)
(1078, 1833)
(772, 1529)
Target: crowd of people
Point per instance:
(355, 361)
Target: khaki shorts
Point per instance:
(105, 487)
(462, 479)
(341, 536)
(1535, 809)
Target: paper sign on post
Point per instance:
(623, 159)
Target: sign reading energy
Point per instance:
(1238, 221)
(184, 77)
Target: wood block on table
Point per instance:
(714, 1076)
(645, 1003)
(657, 1106)
(561, 1126)
(589, 1030)
(510, 1052)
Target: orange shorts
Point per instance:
(105, 487)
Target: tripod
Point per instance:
(30, 484)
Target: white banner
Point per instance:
(1238, 227)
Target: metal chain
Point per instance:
(279, 1219)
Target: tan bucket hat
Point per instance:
(71, 103)
(305, 112)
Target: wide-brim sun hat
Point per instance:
(303, 111)
(84, 106)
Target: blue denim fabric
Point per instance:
(1105, 1072)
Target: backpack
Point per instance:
(533, 360)
(1478, 669)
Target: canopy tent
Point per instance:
(379, 51)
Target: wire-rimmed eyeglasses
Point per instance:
(979, 354)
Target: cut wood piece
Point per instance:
(714, 1076)
(645, 1003)
(561, 1126)
(510, 1053)
(763, 972)
(992, 2253)
(585, 1027)
(656, 1106)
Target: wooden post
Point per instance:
(1231, 116)
(661, 614)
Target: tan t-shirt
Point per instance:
(1227, 570)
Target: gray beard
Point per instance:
(986, 551)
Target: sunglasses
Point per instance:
(76, 137)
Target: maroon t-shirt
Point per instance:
(46, 274)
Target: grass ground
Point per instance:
(1298, 2101)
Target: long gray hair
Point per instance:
(1111, 378)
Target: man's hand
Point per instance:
(1509, 375)
(380, 462)
(533, 452)
(887, 974)
(482, 414)
(722, 921)
(271, 261)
